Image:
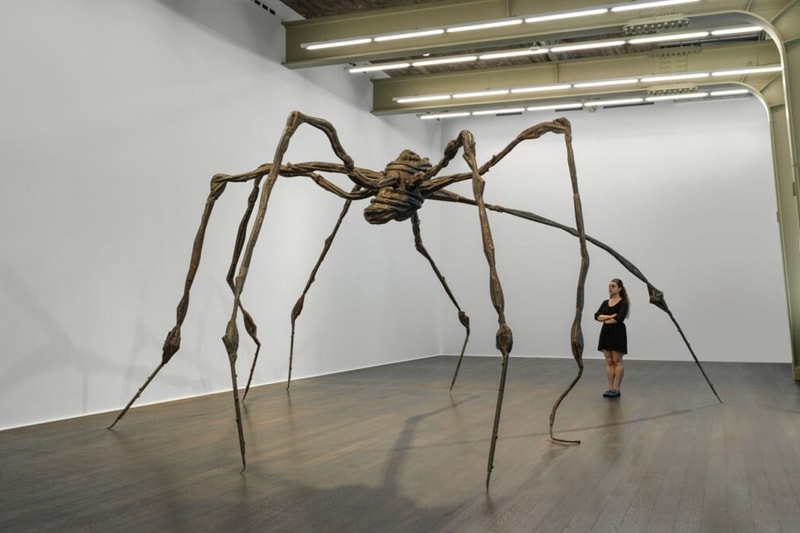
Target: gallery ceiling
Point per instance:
(426, 57)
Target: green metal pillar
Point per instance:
(784, 108)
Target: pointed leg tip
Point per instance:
(564, 441)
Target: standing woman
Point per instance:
(613, 340)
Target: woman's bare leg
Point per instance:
(608, 354)
(619, 370)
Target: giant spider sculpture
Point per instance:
(396, 193)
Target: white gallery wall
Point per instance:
(117, 114)
(684, 191)
(115, 117)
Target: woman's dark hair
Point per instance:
(624, 294)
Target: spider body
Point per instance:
(396, 193)
(400, 194)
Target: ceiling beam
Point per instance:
(625, 66)
(456, 12)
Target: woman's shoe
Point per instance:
(608, 394)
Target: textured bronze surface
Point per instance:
(396, 193)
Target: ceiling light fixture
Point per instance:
(567, 15)
(334, 44)
(646, 5)
(736, 31)
(374, 68)
(730, 92)
(684, 96)
(513, 53)
(508, 111)
(550, 107)
(747, 71)
(443, 61)
(669, 37)
(407, 35)
(428, 98)
(485, 25)
(477, 94)
(621, 101)
(585, 46)
(444, 115)
(541, 88)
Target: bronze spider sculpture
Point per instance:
(396, 193)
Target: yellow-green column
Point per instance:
(784, 107)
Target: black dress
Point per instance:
(613, 337)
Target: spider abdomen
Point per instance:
(392, 204)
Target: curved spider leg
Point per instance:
(559, 126)
(231, 337)
(656, 296)
(462, 316)
(172, 341)
(298, 306)
(434, 187)
(576, 332)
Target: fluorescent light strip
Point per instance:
(498, 111)
(373, 68)
(586, 46)
(443, 61)
(334, 44)
(444, 115)
(494, 92)
(514, 53)
(669, 37)
(736, 31)
(568, 15)
(485, 25)
(730, 92)
(429, 98)
(685, 96)
(675, 77)
(541, 88)
(550, 107)
(605, 83)
(408, 35)
(623, 101)
(746, 71)
(646, 5)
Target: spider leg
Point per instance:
(462, 316)
(656, 295)
(298, 306)
(576, 332)
(172, 341)
(249, 323)
(504, 337)
(231, 337)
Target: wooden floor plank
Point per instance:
(392, 449)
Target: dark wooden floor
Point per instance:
(390, 449)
